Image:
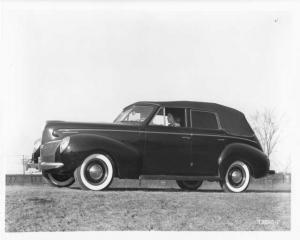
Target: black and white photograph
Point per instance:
(149, 116)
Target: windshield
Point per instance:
(134, 114)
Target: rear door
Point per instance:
(207, 142)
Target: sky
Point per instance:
(85, 61)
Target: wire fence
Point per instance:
(22, 165)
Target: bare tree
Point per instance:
(266, 129)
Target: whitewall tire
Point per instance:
(95, 173)
(237, 177)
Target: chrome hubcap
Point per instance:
(95, 171)
(236, 176)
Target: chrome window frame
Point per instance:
(164, 114)
(137, 105)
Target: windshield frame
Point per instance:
(137, 123)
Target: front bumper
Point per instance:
(47, 159)
(50, 165)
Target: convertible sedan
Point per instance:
(184, 141)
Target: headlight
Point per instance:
(64, 143)
(37, 144)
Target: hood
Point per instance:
(53, 128)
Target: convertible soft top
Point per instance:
(231, 120)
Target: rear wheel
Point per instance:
(58, 180)
(95, 173)
(237, 177)
(189, 185)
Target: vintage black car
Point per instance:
(184, 141)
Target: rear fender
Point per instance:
(257, 161)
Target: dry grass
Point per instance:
(44, 208)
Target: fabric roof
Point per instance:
(231, 120)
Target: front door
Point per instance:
(167, 144)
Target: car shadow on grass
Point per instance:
(161, 190)
(132, 189)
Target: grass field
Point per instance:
(44, 208)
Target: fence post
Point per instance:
(23, 160)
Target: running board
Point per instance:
(179, 177)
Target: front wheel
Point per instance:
(95, 173)
(189, 185)
(58, 180)
(237, 177)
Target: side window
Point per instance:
(204, 120)
(159, 118)
(169, 117)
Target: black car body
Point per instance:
(185, 141)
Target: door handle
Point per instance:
(221, 139)
(186, 138)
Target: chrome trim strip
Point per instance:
(137, 131)
(185, 117)
(50, 165)
(52, 141)
(170, 133)
(69, 132)
(97, 129)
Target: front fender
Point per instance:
(255, 158)
(126, 158)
